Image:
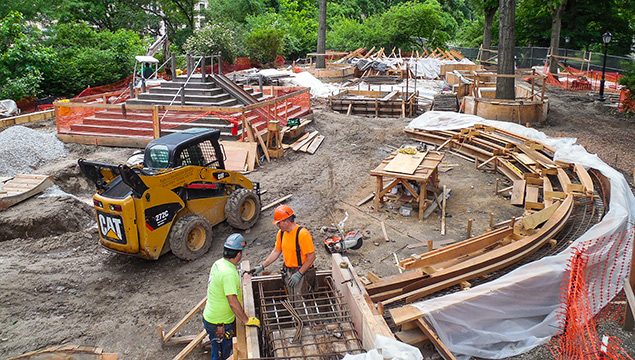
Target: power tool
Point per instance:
(335, 244)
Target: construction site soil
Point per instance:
(60, 287)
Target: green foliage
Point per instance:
(346, 35)
(86, 57)
(22, 57)
(110, 15)
(27, 84)
(403, 25)
(212, 39)
(264, 45)
(233, 10)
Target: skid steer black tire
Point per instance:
(242, 209)
(190, 237)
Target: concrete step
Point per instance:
(188, 91)
(224, 103)
(190, 85)
(188, 98)
(100, 129)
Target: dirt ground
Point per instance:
(60, 287)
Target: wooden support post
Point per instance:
(383, 230)
(496, 186)
(443, 212)
(430, 245)
(491, 220)
(469, 228)
(156, 127)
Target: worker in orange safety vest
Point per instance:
(295, 243)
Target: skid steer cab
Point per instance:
(172, 200)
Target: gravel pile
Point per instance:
(23, 150)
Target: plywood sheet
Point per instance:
(250, 147)
(405, 163)
(236, 159)
(518, 193)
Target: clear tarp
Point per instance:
(518, 311)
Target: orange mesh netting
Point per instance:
(590, 283)
(578, 80)
(281, 111)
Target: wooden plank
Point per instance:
(412, 336)
(184, 320)
(584, 177)
(250, 147)
(366, 319)
(443, 211)
(301, 139)
(22, 187)
(194, 343)
(537, 218)
(276, 202)
(391, 95)
(308, 138)
(531, 194)
(315, 144)
(305, 147)
(251, 333)
(405, 163)
(436, 203)
(236, 159)
(438, 344)
(518, 194)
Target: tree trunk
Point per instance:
(505, 88)
(556, 25)
(321, 41)
(487, 32)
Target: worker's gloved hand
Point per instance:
(257, 269)
(294, 279)
(253, 321)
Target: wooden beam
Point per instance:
(275, 202)
(251, 333)
(438, 344)
(518, 194)
(194, 343)
(183, 321)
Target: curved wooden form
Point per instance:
(545, 187)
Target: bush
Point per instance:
(27, 84)
(264, 44)
(211, 39)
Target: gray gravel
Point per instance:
(23, 150)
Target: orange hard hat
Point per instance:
(282, 212)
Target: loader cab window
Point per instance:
(201, 154)
(159, 157)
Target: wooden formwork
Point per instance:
(449, 68)
(332, 71)
(530, 105)
(374, 103)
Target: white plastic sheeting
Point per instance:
(517, 312)
(387, 348)
(306, 79)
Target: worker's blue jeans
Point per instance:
(221, 345)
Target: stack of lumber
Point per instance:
(308, 143)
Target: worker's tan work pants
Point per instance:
(306, 285)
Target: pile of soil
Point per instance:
(60, 287)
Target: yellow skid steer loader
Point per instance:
(172, 200)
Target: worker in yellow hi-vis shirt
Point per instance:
(224, 299)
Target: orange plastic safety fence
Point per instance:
(579, 80)
(593, 278)
(281, 111)
(627, 101)
(119, 121)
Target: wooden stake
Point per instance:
(276, 202)
(383, 230)
(469, 228)
(491, 220)
(443, 212)
(496, 186)
(430, 245)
